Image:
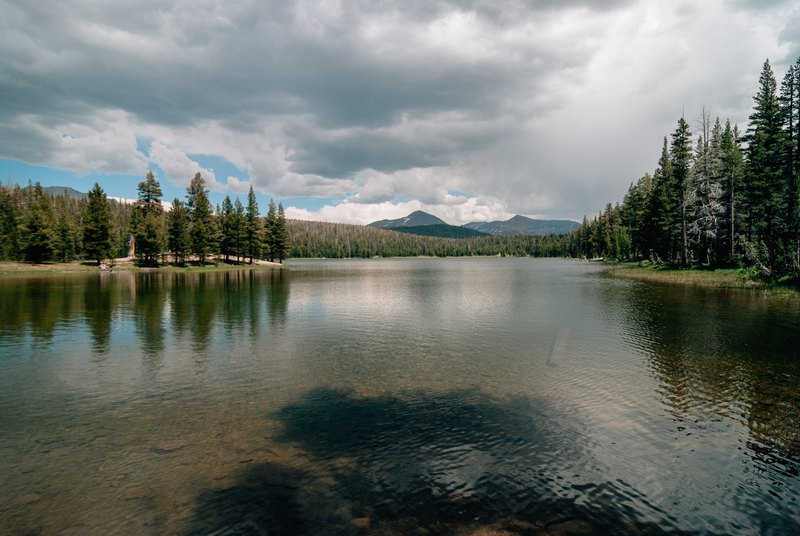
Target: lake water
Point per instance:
(409, 396)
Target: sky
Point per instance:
(355, 111)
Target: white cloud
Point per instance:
(179, 168)
(237, 186)
(362, 214)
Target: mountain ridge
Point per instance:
(524, 225)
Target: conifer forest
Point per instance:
(39, 227)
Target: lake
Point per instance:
(396, 396)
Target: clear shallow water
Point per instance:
(429, 396)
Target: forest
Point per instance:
(720, 198)
(312, 239)
(38, 227)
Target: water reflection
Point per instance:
(723, 357)
(148, 313)
(37, 305)
(98, 307)
(186, 303)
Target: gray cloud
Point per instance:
(550, 106)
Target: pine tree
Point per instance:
(178, 239)
(281, 238)
(8, 223)
(65, 244)
(253, 232)
(790, 104)
(766, 185)
(270, 222)
(38, 229)
(681, 160)
(662, 222)
(202, 232)
(147, 220)
(708, 211)
(634, 216)
(732, 172)
(226, 239)
(98, 230)
(237, 229)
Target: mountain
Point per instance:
(63, 190)
(414, 219)
(523, 225)
(441, 230)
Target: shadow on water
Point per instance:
(454, 463)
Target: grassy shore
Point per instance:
(125, 265)
(720, 278)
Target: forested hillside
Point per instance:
(337, 240)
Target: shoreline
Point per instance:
(126, 265)
(729, 278)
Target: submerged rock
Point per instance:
(168, 446)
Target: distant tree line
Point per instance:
(720, 198)
(38, 227)
(311, 239)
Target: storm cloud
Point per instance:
(473, 110)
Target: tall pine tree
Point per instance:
(766, 185)
(98, 229)
(147, 221)
(202, 233)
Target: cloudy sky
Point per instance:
(354, 111)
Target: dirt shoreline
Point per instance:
(127, 265)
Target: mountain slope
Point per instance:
(414, 219)
(523, 225)
(440, 230)
(63, 190)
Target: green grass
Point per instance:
(741, 278)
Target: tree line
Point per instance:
(311, 239)
(717, 198)
(39, 227)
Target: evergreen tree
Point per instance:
(634, 214)
(8, 223)
(790, 104)
(38, 230)
(270, 222)
(662, 222)
(707, 223)
(681, 160)
(766, 186)
(281, 238)
(253, 232)
(98, 230)
(226, 239)
(65, 245)
(202, 232)
(147, 221)
(237, 229)
(732, 172)
(178, 239)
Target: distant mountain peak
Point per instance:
(415, 219)
(524, 225)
